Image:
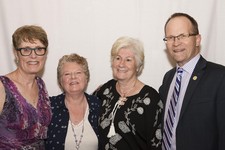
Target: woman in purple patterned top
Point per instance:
(25, 109)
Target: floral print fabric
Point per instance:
(21, 125)
(137, 123)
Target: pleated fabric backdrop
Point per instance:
(89, 28)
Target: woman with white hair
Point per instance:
(130, 117)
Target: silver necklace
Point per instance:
(78, 142)
(75, 136)
(123, 95)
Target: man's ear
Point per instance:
(198, 39)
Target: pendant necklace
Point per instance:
(78, 141)
(123, 97)
(118, 104)
(75, 136)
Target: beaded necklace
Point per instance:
(78, 142)
(75, 136)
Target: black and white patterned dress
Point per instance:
(137, 123)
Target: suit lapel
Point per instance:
(169, 80)
(193, 83)
(163, 90)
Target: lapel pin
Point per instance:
(195, 78)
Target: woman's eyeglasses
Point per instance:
(39, 51)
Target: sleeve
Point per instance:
(155, 139)
(221, 115)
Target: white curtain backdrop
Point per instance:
(90, 27)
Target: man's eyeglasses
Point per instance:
(39, 51)
(180, 37)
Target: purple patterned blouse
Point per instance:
(21, 125)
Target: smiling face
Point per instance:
(72, 78)
(182, 50)
(124, 65)
(33, 63)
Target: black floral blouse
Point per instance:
(137, 123)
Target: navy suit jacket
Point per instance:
(201, 124)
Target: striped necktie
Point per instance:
(169, 123)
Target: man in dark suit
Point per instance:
(196, 120)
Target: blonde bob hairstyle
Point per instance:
(132, 44)
(72, 58)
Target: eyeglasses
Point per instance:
(180, 37)
(39, 51)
